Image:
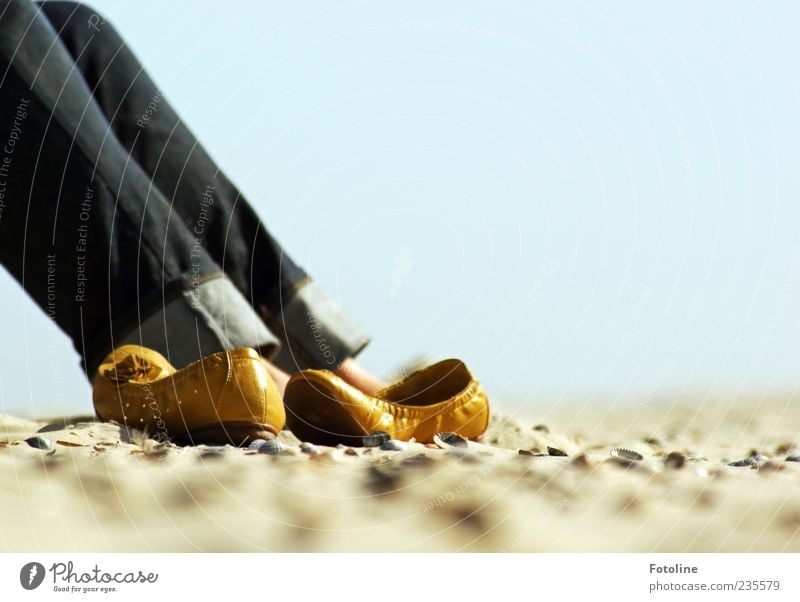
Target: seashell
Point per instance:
(793, 458)
(554, 451)
(273, 446)
(40, 443)
(375, 439)
(394, 445)
(445, 440)
(745, 462)
(627, 454)
(675, 460)
(310, 448)
(525, 452)
(256, 443)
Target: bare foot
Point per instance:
(279, 376)
(350, 371)
(355, 374)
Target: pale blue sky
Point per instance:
(580, 200)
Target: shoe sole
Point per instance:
(237, 434)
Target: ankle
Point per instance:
(278, 376)
(354, 374)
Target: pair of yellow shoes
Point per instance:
(229, 397)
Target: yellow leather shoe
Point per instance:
(323, 408)
(226, 397)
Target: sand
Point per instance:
(107, 488)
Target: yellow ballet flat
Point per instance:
(225, 397)
(445, 397)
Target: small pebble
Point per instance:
(745, 462)
(349, 451)
(418, 461)
(445, 440)
(554, 451)
(381, 480)
(40, 443)
(212, 454)
(675, 460)
(580, 461)
(326, 457)
(310, 448)
(272, 446)
(394, 445)
(623, 462)
(66, 443)
(653, 441)
(542, 428)
(375, 439)
(628, 454)
(526, 452)
(159, 453)
(463, 455)
(793, 458)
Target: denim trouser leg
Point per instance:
(116, 221)
(146, 125)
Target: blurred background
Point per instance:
(587, 204)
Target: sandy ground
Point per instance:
(105, 488)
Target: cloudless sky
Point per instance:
(583, 201)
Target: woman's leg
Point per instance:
(315, 331)
(82, 226)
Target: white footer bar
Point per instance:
(333, 577)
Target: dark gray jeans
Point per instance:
(120, 226)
